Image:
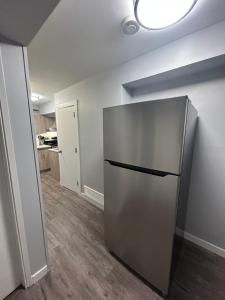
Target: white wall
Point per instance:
(47, 108)
(106, 90)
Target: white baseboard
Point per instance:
(94, 197)
(200, 242)
(39, 274)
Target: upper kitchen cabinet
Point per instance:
(21, 20)
(43, 123)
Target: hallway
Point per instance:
(82, 269)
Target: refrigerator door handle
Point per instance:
(140, 169)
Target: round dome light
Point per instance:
(158, 14)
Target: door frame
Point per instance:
(41, 273)
(28, 278)
(15, 198)
(71, 104)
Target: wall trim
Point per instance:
(200, 242)
(39, 274)
(94, 197)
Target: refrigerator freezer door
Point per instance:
(147, 134)
(140, 214)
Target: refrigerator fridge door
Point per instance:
(147, 134)
(140, 215)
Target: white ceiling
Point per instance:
(83, 37)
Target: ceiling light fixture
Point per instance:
(35, 97)
(159, 14)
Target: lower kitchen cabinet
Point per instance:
(54, 164)
(43, 157)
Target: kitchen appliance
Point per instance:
(147, 153)
(40, 140)
(49, 138)
(53, 142)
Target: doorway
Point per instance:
(57, 140)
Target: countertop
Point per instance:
(41, 147)
(54, 150)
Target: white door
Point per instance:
(68, 141)
(10, 269)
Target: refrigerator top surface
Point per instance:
(147, 134)
(180, 98)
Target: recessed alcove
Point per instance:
(205, 70)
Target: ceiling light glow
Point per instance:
(35, 97)
(158, 14)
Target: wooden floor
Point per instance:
(82, 269)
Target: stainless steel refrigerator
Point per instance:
(147, 163)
